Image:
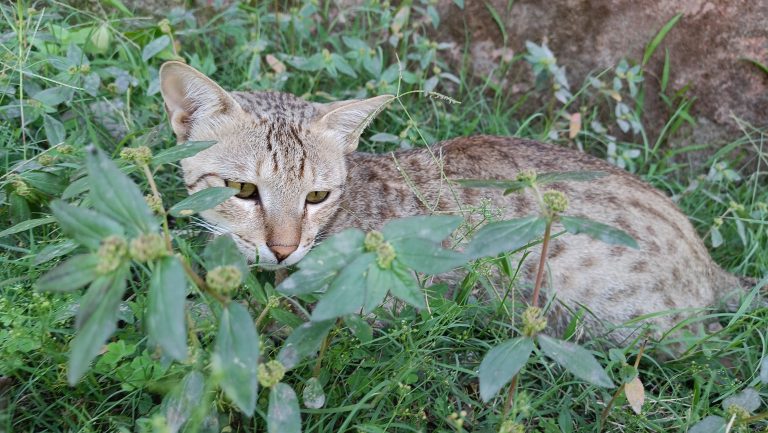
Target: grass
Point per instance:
(418, 374)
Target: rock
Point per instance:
(707, 49)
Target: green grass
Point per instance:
(419, 374)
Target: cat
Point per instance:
(300, 178)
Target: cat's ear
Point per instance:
(344, 121)
(190, 96)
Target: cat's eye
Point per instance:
(316, 197)
(247, 190)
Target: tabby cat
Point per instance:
(300, 179)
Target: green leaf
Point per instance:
(98, 325)
(304, 341)
(70, 275)
(651, 48)
(434, 228)
(154, 47)
(116, 195)
(179, 404)
(710, 424)
(26, 225)
(715, 237)
(86, 226)
(45, 182)
(408, 289)
(423, 256)
(346, 293)
(236, 357)
(502, 236)
(501, 363)
(359, 327)
(323, 263)
(18, 208)
(54, 250)
(575, 359)
(54, 130)
(54, 96)
(181, 151)
(492, 183)
(313, 394)
(202, 200)
(223, 251)
(377, 283)
(283, 415)
(569, 176)
(747, 399)
(596, 230)
(165, 318)
(764, 370)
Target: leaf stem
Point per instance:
(323, 348)
(163, 213)
(604, 414)
(510, 396)
(542, 262)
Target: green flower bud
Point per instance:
(112, 253)
(555, 201)
(66, 149)
(112, 87)
(154, 203)
(85, 68)
(165, 26)
(385, 254)
(20, 187)
(224, 279)
(46, 160)
(141, 155)
(271, 373)
(72, 70)
(533, 321)
(737, 207)
(148, 247)
(717, 222)
(101, 38)
(510, 426)
(372, 240)
(528, 177)
(739, 412)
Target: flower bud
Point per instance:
(385, 255)
(112, 253)
(148, 247)
(555, 201)
(533, 321)
(372, 240)
(154, 203)
(526, 176)
(271, 373)
(224, 279)
(141, 155)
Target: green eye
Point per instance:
(316, 197)
(247, 190)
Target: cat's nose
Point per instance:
(282, 251)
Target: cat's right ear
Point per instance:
(191, 96)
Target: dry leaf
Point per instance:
(275, 64)
(635, 394)
(575, 126)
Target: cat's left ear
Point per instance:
(344, 121)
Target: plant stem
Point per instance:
(199, 282)
(156, 194)
(604, 414)
(510, 396)
(323, 348)
(542, 262)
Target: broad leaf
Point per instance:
(116, 195)
(236, 357)
(54, 250)
(596, 230)
(179, 404)
(423, 256)
(710, 424)
(764, 370)
(575, 359)
(165, 319)
(304, 341)
(70, 275)
(98, 325)
(223, 251)
(377, 283)
(635, 393)
(569, 176)
(408, 289)
(501, 364)
(359, 327)
(26, 225)
(323, 263)
(154, 47)
(55, 132)
(346, 293)
(503, 236)
(431, 227)
(181, 151)
(747, 399)
(86, 226)
(313, 394)
(492, 183)
(283, 414)
(45, 182)
(202, 200)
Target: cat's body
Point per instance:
(310, 183)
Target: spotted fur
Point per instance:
(289, 147)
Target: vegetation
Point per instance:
(118, 221)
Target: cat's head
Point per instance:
(284, 154)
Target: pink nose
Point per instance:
(282, 251)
